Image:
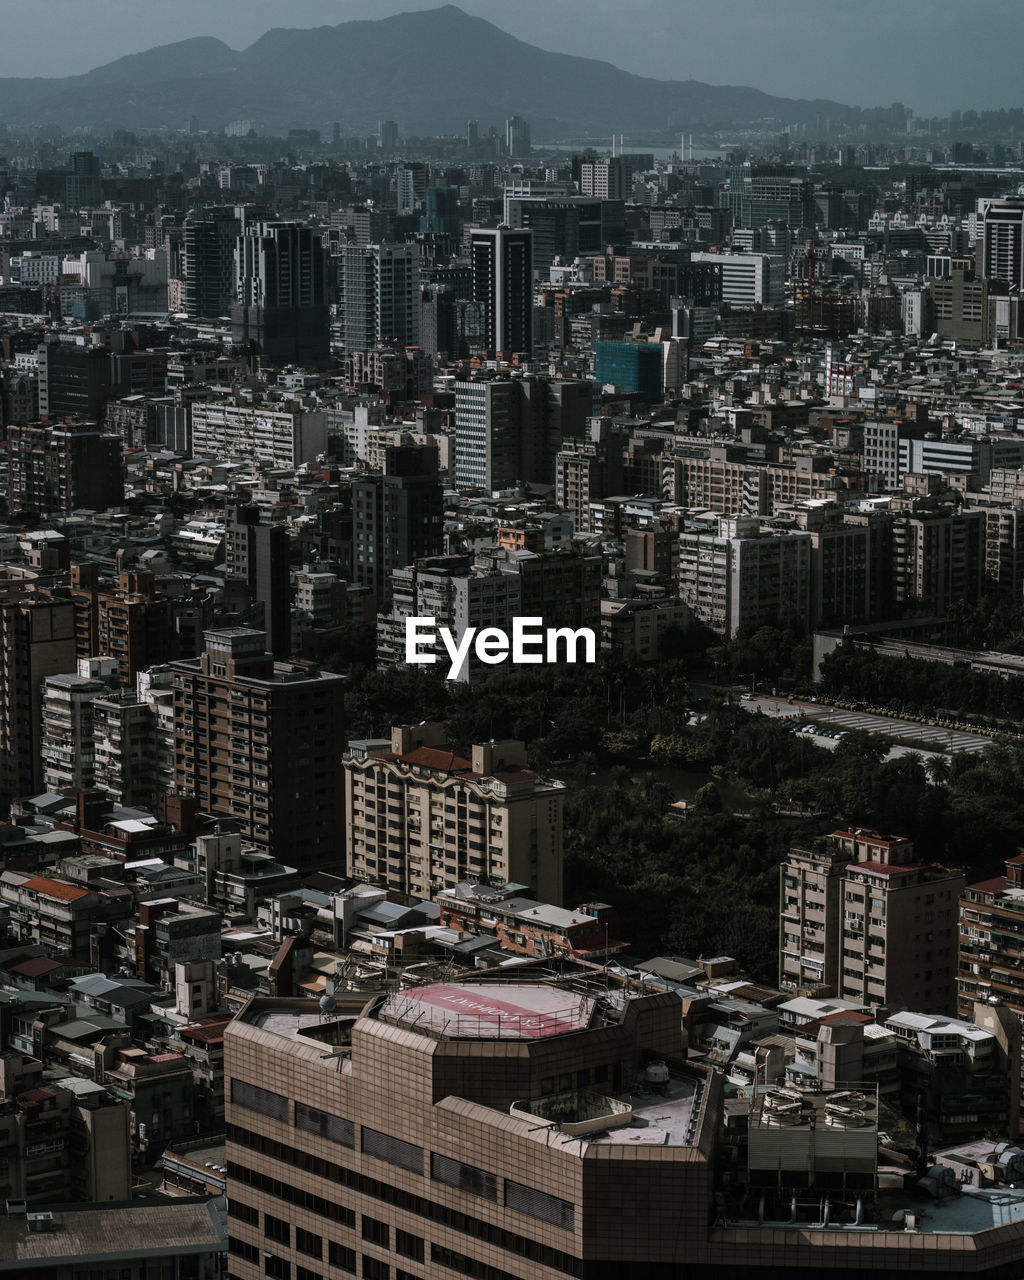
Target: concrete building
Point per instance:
(748, 279)
(419, 817)
(280, 304)
(1001, 252)
(271, 437)
(37, 639)
(67, 745)
(877, 928)
(261, 742)
(742, 576)
(60, 469)
(379, 288)
(397, 517)
(62, 1140)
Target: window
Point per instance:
(243, 1212)
(277, 1229)
(341, 1256)
(307, 1242)
(464, 1177)
(376, 1232)
(408, 1245)
(253, 1098)
(325, 1125)
(393, 1150)
(240, 1249)
(304, 1273)
(276, 1268)
(374, 1270)
(538, 1204)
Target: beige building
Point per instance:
(420, 817)
(862, 918)
(541, 1128)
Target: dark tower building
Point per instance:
(281, 293)
(257, 554)
(502, 262)
(60, 469)
(397, 516)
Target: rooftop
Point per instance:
(508, 1011)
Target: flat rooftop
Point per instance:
(661, 1120)
(489, 1011)
(110, 1233)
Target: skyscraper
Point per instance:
(380, 295)
(261, 742)
(398, 516)
(502, 263)
(257, 554)
(1001, 255)
(517, 137)
(281, 293)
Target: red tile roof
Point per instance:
(441, 758)
(55, 889)
(991, 886)
(885, 868)
(36, 967)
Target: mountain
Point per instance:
(431, 71)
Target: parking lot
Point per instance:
(829, 721)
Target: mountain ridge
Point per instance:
(429, 69)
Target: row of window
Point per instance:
(408, 1156)
(453, 1219)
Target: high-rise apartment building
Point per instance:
(739, 575)
(83, 186)
(502, 264)
(37, 639)
(380, 295)
(419, 816)
(862, 918)
(281, 293)
(397, 516)
(509, 430)
(1001, 252)
(257, 555)
(261, 742)
(60, 469)
(607, 179)
(264, 434)
(517, 137)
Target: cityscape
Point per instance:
(511, 648)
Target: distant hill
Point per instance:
(431, 71)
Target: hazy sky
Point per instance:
(933, 55)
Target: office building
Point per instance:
(502, 264)
(489, 819)
(564, 226)
(489, 1128)
(397, 516)
(938, 555)
(861, 917)
(748, 279)
(441, 211)
(631, 367)
(260, 742)
(607, 179)
(208, 250)
(83, 186)
(280, 303)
